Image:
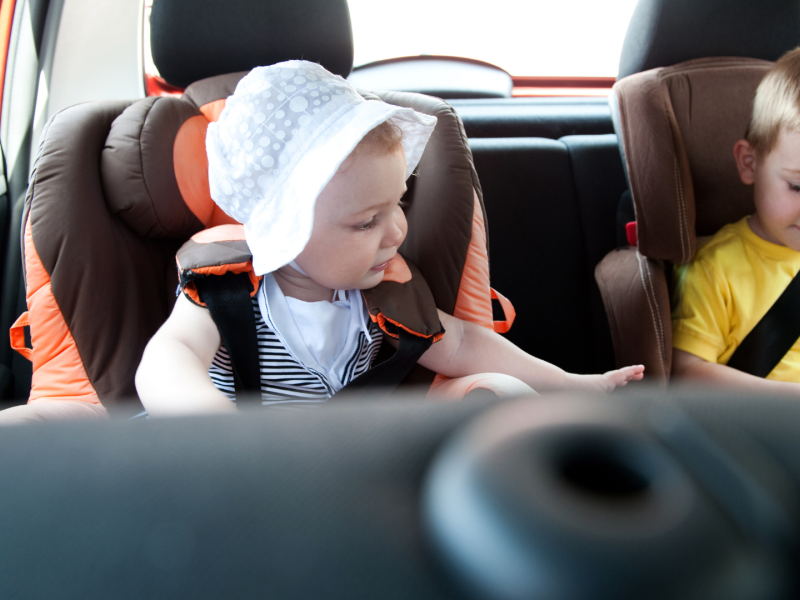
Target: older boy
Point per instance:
(742, 270)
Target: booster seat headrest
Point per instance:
(681, 169)
(194, 39)
(154, 169)
(666, 32)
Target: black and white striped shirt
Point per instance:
(286, 380)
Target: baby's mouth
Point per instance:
(381, 266)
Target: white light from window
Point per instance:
(524, 37)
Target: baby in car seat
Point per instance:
(315, 173)
(737, 276)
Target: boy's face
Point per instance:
(776, 181)
(358, 223)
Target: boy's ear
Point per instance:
(745, 161)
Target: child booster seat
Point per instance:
(677, 122)
(117, 188)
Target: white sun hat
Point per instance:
(280, 138)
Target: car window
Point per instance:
(527, 38)
(573, 38)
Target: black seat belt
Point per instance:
(228, 300)
(773, 336)
(382, 379)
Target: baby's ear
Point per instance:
(745, 157)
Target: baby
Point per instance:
(744, 268)
(316, 175)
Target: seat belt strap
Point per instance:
(772, 337)
(228, 300)
(382, 379)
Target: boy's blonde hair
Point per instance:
(777, 104)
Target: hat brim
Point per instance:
(277, 231)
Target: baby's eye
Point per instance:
(402, 203)
(366, 225)
(794, 187)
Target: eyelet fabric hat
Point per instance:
(278, 142)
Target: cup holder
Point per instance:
(607, 476)
(577, 500)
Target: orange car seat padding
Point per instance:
(58, 371)
(473, 302)
(191, 167)
(508, 309)
(191, 172)
(213, 109)
(6, 22)
(397, 270)
(17, 335)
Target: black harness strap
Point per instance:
(228, 300)
(773, 336)
(385, 377)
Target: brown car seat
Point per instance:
(117, 187)
(676, 125)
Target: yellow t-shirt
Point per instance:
(722, 294)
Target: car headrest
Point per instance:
(194, 39)
(666, 32)
(677, 126)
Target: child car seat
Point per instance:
(676, 127)
(117, 187)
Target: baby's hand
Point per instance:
(608, 381)
(622, 376)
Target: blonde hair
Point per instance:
(382, 139)
(776, 106)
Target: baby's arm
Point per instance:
(467, 349)
(686, 365)
(173, 378)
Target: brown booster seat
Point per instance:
(676, 127)
(118, 187)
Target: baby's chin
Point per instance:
(369, 281)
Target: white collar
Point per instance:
(276, 311)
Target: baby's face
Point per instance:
(776, 179)
(358, 223)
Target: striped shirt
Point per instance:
(284, 378)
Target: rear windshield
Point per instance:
(567, 38)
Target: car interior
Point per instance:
(574, 208)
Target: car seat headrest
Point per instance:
(667, 32)
(194, 39)
(678, 126)
(154, 169)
